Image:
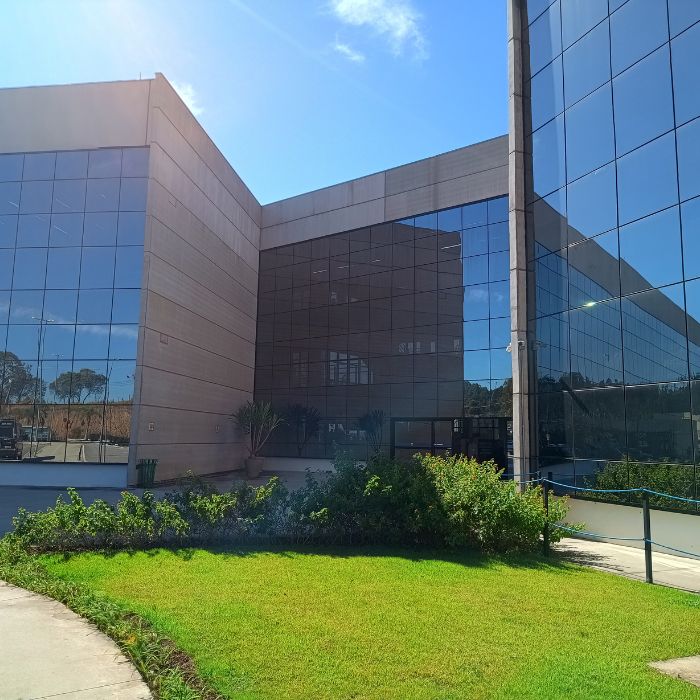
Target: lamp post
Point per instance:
(38, 387)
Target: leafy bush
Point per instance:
(449, 501)
(433, 501)
(194, 513)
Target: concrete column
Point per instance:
(517, 160)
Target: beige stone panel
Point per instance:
(163, 97)
(170, 212)
(462, 190)
(176, 460)
(161, 388)
(189, 260)
(174, 321)
(180, 426)
(172, 284)
(335, 221)
(63, 117)
(164, 133)
(192, 361)
(447, 166)
(165, 171)
(338, 196)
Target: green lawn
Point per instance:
(370, 624)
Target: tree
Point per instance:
(79, 386)
(257, 420)
(17, 383)
(306, 421)
(372, 424)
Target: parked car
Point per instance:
(11, 444)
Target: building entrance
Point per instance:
(481, 438)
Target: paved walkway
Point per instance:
(47, 651)
(668, 570)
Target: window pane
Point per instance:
(33, 230)
(101, 229)
(66, 230)
(8, 231)
(133, 194)
(497, 209)
(654, 342)
(476, 335)
(91, 342)
(499, 266)
(594, 270)
(97, 268)
(11, 167)
(30, 268)
(688, 137)
(650, 251)
(71, 165)
(63, 270)
(69, 195)
(545, 38)
(658, 423)
(685, 52)
(592, 204)
(681, 14)
(123, 340)
(643, 101)
(60, 305)
(587, 64)
(692, 303)
(106, 162)
(9, 197)
(7, 258)
(578, 16)
(590, 141)
(499, 332)
(449, 220)
(127, 306)
(135, 162)
(95, 306)
(36, 197)
(499, 299)
(102, 195)
(477, 365)
(646, 179)
(548, 157)
(596, 344)
(599, 424)
(39, 166)
(690, 217)
(547, 218)
(474, 215)
(26, 307)
(129, 267)
(636, 29)
(547, 94)
(57, 341)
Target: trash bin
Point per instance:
(146, 469)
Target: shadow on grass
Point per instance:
(462, 557)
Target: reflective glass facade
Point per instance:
(613, 229)
(410, 318)
(71, 258)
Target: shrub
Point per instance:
(428, 501)
(449, 501)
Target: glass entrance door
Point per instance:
(409, 436)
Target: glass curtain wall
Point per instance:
(614, 227)
(410, 318)
(71, 257)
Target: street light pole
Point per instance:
(43, 322)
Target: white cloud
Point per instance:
(397, 20)
(189, 97)
(348, 52)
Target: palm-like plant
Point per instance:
(258, 420)
(306, 421)
(372, 424)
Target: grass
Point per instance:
(365, 623)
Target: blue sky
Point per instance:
(297, 94)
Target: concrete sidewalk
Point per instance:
(668, 570)
(47, 651)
